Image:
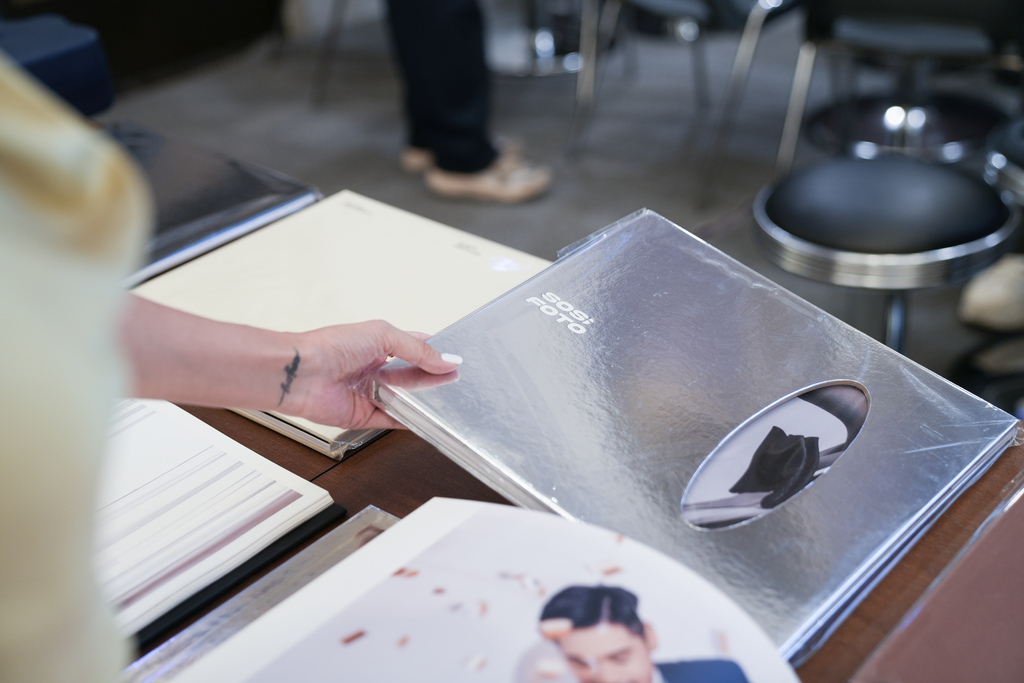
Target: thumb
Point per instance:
(418, 352)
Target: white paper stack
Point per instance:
(181, 506)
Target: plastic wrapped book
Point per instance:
(650, 384)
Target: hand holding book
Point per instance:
(344, 357)
(323, 266)
(186, 358)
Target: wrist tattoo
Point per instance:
(289, 371)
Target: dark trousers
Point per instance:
(439, 45)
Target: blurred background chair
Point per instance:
(327, 51)
(65, 57)
(525, 38)
(890, 224)
(599, 22)
(913, 38)
(688, 21)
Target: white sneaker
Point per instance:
(994, 299)
(509, 179)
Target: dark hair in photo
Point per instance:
(587, 606)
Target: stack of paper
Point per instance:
(181, 506)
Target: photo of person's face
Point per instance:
(608, 653)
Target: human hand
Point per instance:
(322, 382)
(187, 358)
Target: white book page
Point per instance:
(454, 592)
(181, 505)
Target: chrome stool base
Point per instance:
(944, 128)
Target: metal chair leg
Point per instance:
(607, 24)
(597, 26)
(896, 320)
(327, 52)
(630, 52)
(586, 77)
(733, 94)
(795, 110)
(701, 88)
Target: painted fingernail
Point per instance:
(453, 358)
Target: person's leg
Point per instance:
(439, 46)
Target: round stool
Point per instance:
(891, 224)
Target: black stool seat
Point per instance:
(888, 223)
(698, 10)
(913, 38)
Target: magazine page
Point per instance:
(465, 591)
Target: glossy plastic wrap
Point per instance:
(598, 388)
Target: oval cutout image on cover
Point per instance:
(775, 454)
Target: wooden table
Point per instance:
(400, 472)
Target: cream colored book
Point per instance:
(344, 259)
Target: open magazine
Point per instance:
(471, 591)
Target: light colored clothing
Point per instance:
(72, 214)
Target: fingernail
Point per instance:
(453, 358)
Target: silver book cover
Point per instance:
(648, 383)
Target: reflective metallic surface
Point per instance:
(942, 128)
(598, 387)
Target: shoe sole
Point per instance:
(457, 189)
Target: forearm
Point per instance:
(189, 359)
(316, 374)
